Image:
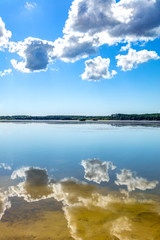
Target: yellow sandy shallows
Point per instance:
(43, 220)
(93, 216)
(91, 212)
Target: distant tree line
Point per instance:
(137, 117)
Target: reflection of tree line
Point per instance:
(132, 117)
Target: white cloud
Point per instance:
(97, 171)
(132, 182)
(126, 47)
(36, 54)
(5, 35)
(72, 48)
(133, 58)
(93, 23)
(5, 72)
(30, 6)
(97, 69)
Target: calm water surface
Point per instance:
(79, 181)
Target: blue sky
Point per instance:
(53, 61)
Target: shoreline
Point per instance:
(121, 122)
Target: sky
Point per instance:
(80, 57)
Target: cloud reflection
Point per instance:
(97, 171)
(93, 211)
(93, 215)
(4, 204)
(126, 177)
(36, 185)
(5, 166)
(121, 227)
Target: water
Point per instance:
(79, 181)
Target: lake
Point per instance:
(79, 181)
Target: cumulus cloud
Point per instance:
(5, 35)
(127, 178)
(36, 54)
(36, 185)
(97, 69)
(30, 6)
(93, 23)
(72, 48)
(126, 47)
(133, 58)
(127, 19)
(5, 72)
(97, 171)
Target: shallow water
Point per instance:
(79, 181)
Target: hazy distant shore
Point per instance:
(116, 122)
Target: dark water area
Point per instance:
(79, 181)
